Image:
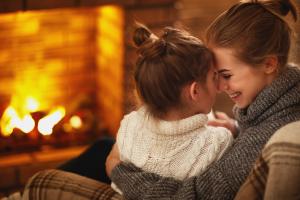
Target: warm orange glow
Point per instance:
(46, 124)
(11, 119)
(30, 24)
(31, 83)
(31, 104)
(53, 39)
(46, 54)
(110, 63)
(76, 122)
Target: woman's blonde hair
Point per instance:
(255, 29)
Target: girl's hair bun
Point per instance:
(141, 34)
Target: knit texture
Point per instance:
(277, 105)
(179, 149)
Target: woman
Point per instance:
(251, 43)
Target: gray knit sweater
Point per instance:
(275, 106)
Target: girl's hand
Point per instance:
(112, 160)
(223, 120)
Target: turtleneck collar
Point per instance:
(183, 126)
(281, 94)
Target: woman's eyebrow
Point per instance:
(222, 70)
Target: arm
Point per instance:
(112, 160)
(137, 184)
(221, 181)
(114, 157)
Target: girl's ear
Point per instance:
(271, 64)
(194, 90)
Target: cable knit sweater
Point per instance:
(277, 105)
(178, 149)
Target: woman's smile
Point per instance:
(235, 96)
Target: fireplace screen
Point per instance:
(61, 77)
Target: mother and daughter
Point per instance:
(166, 148)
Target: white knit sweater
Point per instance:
(178, 149)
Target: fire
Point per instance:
(76, 122)
(46, 124)
(31, 104)
(13, 118)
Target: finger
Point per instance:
(216, 122)
(222, 115)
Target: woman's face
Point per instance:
(241, 81)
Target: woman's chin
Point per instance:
(241, 105)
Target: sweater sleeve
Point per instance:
(137, 184)
(125, 135)
(220, 181)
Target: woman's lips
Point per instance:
(235, 95)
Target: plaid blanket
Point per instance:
(276, 174)
(57, 185)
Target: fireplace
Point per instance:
(61, 74)
(65, 72)
(65, 77)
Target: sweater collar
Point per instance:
(177, 127)
(282, 93)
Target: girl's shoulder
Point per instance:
(136, 115)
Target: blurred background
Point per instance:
(66, 73)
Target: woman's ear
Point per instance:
(271, 64)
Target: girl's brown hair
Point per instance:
(165, 64)
(255, 29)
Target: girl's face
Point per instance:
(241, 81)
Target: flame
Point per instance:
(17, 115)
(11, 120)
(76, 122)
(31, 104)
(46, 124)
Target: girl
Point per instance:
(176, 82)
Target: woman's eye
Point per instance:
(226, 76)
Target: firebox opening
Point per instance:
(61, 79)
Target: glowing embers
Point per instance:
(23, 119)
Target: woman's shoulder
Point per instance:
(288, 134)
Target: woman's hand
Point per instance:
(223, 120)
(112, 160)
